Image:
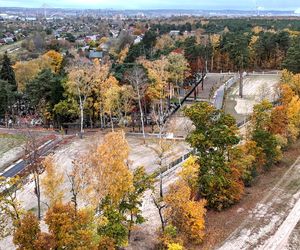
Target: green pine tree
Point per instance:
(292, 60)
(7, 73)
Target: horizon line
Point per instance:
(149, 9)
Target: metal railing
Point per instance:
(173, 164)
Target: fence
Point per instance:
(172, 165)
(219, 96)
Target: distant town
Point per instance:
(149, 129)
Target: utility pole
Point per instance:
(241, 78)
(241, 84)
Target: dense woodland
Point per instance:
(200, 46)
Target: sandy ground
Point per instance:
(145, 236)
(140, 155)
(179, 125)
(255, 89)
(272, 224)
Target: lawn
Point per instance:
(9, 141)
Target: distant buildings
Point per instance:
(174, 33)
(95, 55)
(138, 39)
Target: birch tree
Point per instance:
(178, 67)
(80, 85)
(138, 80)
(157, 91)
(84, 79)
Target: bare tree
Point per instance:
(161, 148)
(32, 158)
(138, 79)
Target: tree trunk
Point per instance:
(161, 218)
(212, 63)
(111, 121)
(241, 84)
(161, 184)
(81, 117)
(160, 212)
(130, 225)
(37, 191)
(141, 113)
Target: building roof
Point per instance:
(95, 54)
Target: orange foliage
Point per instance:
(185, 214)
(279, 121)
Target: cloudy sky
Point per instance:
(157, 4)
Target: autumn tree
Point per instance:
(123, 54)
(157, 91)
(131, 203)
(185, 214)
(189, 173)
(56, 60)
(69, 229)
(175, 246)
(138, 79)
(104, 162)
(261, 134)
(26, 233)
(82, 80)
(112, 99)
(178, 68)
(127, 96)
(51, 181)
(214, 135)
(33, 154)
(289, 112)
(78, 179)
(164, 44)
(10, 207)
(279, 121)
(101, 76)
(26, 71)
(215, 42)
(247, 161)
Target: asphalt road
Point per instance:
(22, 164)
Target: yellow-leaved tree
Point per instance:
(109, 173)
(185, 214)
(158, 89)
(51, 181)
(112, 98)
(189, 172)
(56, 60)
(27, 70)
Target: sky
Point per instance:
(158, 4)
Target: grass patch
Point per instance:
(9, 141)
